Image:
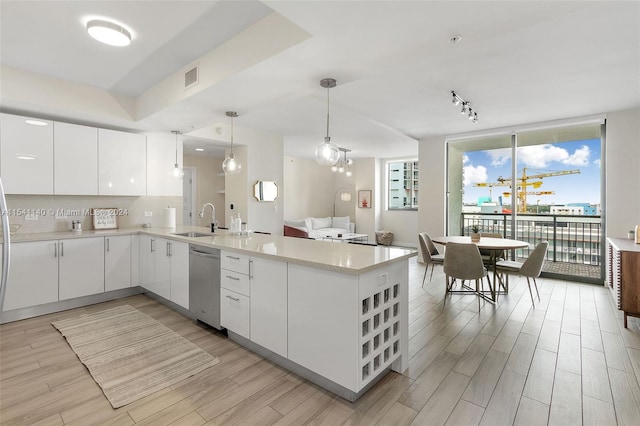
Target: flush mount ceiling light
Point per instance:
(177, 171)
(231, 166)
(466, 107)
(108, 32)
(327, 154)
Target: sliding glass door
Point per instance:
(535, 185)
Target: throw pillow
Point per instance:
(341, 222)
(320, 222)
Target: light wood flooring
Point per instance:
(566, 362)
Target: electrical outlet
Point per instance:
(148, 213)
(31, 216)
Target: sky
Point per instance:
(583, 155)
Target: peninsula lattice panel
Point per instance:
(379, 331)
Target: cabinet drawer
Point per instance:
(234, 312)
(235, 282)
(234, 262)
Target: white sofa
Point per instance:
(318, 227)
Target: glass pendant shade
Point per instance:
(231, 166)
(327, 154)
(178, 173)
(349, 173)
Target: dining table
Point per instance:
(486, 243)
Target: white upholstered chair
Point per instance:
(430, 254)
(463, 262)
(530, 268)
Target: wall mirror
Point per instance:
(265, 190)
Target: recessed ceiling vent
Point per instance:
(191, 77)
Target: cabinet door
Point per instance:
(117, 262)
(81, 267)
(26, 159)
(162, 285)
(269, 304)
(148, 247)
(33, 275)
(75, 159)
(234, 312)
(122, 163)
(179, 253)
(161, 159)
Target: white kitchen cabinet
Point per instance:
(234, 312)
(135, 260)
(26, 155)
(161, 160)
(33, 275)
(235, 293)
(117, 262)
(75, 159)
(122, 163)
(80, 267)
(148, 262)
(269, 304)
(172, 271)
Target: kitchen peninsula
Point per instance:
(336, 314)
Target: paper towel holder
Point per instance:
(105, 218)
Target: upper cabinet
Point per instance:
(26, 155)
(122, 163)
(75, 155)
(162, 152)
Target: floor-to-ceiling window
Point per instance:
(534, 185)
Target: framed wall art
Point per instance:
(364, 198)
(105, 218)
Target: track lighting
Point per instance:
(466, 109)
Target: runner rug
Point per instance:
(131, 355)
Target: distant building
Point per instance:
(583, 209)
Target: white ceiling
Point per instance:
(518, 62)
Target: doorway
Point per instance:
(189, 196)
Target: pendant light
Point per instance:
(178, 173)
(327, 154)
(231, 166)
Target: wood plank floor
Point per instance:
(566, 362)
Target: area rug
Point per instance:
(131, 355)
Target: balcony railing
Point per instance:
(574, 241)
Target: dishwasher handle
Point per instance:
(194, 252)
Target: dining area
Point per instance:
(470, 262)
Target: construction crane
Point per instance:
(524, 181)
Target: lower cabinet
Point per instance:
(235, 312)
(269, 304)
(48, 271)
(81, 267)
(29, 285)
(117, 262)
(164, 268)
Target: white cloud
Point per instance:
(465, 159)
(580, 157)
(474, 174)
(597, 162)
(499, 157)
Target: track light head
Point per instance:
(466, 109)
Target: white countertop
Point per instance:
(342, 257)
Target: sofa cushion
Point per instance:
(320, 222)
(327, 232)
(297, 223)
(341, 222)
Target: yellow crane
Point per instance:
(523, 182)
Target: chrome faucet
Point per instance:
(213, 215)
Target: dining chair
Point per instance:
(530, 268)
(430, 254)
(463, 262)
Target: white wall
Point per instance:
(432, 197)
(623, 172)
(308, 189)
(366, 179)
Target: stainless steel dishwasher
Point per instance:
(204, 284)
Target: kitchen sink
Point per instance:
(193, 234)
